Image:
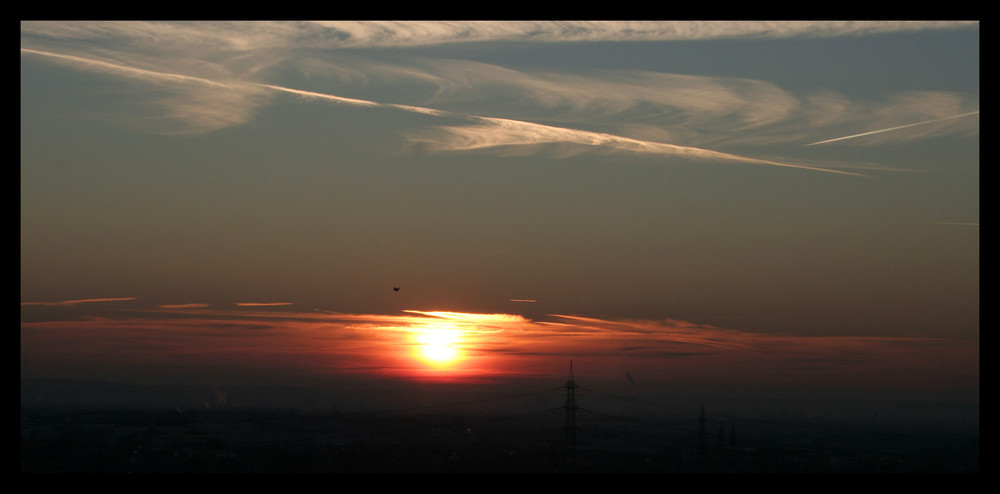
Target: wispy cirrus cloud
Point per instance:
(214, 75)
(184, 102)
(498, 133)
(394, 33)
(340, 34)
(486, 133)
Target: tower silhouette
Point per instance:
(722, 440)
(702, 438)
(569, 409)
(721, 461)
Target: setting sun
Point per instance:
(438, 345)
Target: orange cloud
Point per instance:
(80, 301)
(289, 345)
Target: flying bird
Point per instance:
(395, 288)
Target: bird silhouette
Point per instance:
(395, 288)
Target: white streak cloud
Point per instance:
(345, 34)
(393, 33)
(891, 129)
(199, 104)
(488, 133)
(214, 75)
(495, 132)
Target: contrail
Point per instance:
(127, 70)
(523, 131)
(496, 130)
(894, 128)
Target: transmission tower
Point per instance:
(702, 436)
(722, 447)
(570, 409)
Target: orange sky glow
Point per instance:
(280, 344)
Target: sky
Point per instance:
(701, 208)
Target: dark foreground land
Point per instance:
(74, 440)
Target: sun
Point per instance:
(440, 345)
(450, 343)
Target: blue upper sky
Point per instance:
(654, 170)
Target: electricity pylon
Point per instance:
(702, 434)
(570, 409)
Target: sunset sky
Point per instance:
(766, 206)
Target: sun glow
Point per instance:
(440, 345)
(442, 338)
